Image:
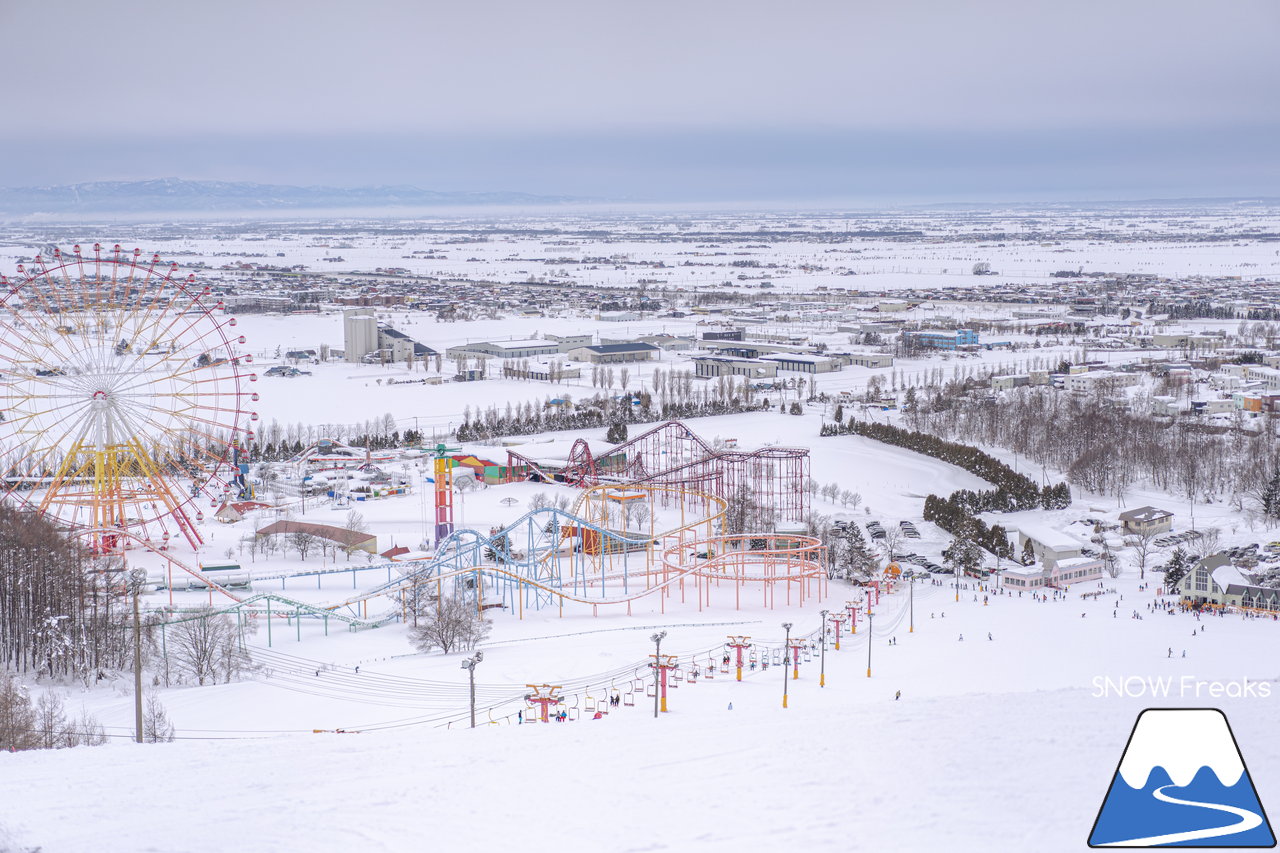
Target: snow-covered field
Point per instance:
(1003, 738)
(995, 745)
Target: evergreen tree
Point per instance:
(963, 554)
(1180, 562)
(859, 560)
(1270, 498)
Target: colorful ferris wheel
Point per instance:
(124, 397)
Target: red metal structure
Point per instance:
(852, 607)
(795, 645)
(664, 663)
(544, 695)
(837, 619)
(671, 454)
(738, 643)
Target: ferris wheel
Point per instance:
(124, 398)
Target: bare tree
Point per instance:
(449, 623)
(206, 648)
(51, 728)
(302, 542)
(355, 524)
(156, 727)
(17, 717)
(892, 538)
(1144, 546)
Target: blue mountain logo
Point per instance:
(1182, 783)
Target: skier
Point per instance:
(989, 637)
(962, 638)
(897, 696)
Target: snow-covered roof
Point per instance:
(1077, 563)
(521, 344)
(1024, 571)
(1145, 513)
(1229, 575)
(1048, 537)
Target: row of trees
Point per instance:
(1109, 449)
(1014, 491)
(61, 612)
(593, 413)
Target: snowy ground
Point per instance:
(996, 744)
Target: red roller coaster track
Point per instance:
(671, 454)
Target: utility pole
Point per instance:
(822, 666)
(470, 666)
(871, 641)
(137, 578)
(911, 604)
(786, 649)
(657, 665)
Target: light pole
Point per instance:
(470, 666)
(137, 578)
(871, 641)
(822, 666)
(786, 649)
(657, 663)
(911, 604)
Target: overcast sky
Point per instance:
(689, 100)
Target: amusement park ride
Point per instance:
(123, 398)
(124, 405)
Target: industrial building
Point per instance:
(613, 353)
(366, 339)
(507, 349)
(949, 340)
(711, 366)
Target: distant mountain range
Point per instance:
(174, 195)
